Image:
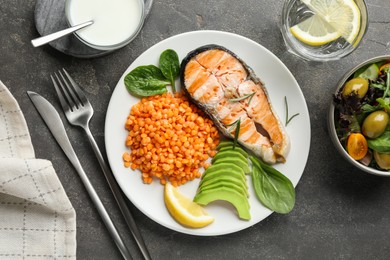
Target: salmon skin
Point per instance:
(214, 78)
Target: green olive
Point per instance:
(383, 160)
(375, 124)
(357, 85)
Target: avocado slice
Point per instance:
(224, 143)
(225, 181)
(239, 201)
(229, 144)
(227, 166)
(217, 173)
(237, 149)
(229, 154)
(243, 165)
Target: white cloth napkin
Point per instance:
(37, 220)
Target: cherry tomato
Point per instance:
(357, 146)
(384, 67)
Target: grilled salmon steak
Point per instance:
(228, 90)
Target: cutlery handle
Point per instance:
(102, 210)
(118, 197)
(53, 36)
(54, 123)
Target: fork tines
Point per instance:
(66, 86)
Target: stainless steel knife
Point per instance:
(54, 123)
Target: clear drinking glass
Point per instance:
(104, 33)
(295, 11)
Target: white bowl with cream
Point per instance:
(116, 22)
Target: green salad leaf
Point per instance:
(170, 66)
(367, 108)
(274, 190)
(369, 71)
(378, 85)
(387, 90)
(381, 144)
(146, 81)
(384, 103)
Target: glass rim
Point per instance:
(291, 41)
(112, 46)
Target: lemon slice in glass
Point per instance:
(342, 15)
(314, 31)
(332, 19)
(184, 210)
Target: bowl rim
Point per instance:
(331, 122)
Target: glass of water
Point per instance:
(296, 11)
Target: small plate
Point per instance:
(279, 83)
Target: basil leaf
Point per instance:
(146, 81)
(170, 66)
(274, 190)
(381, 144)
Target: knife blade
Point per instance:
(54, 123)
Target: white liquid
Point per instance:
(115, 21)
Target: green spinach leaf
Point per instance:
(170, 66)
(274, 190)
(146, 81)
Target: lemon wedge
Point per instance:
(184, 210)
(332, 17)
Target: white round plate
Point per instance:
(279, 82)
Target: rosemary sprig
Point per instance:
(250, 96)
(235, 125)
(287, 118)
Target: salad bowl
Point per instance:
(333, 124)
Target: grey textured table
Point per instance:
(340, 212)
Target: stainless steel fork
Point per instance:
(79, 111)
